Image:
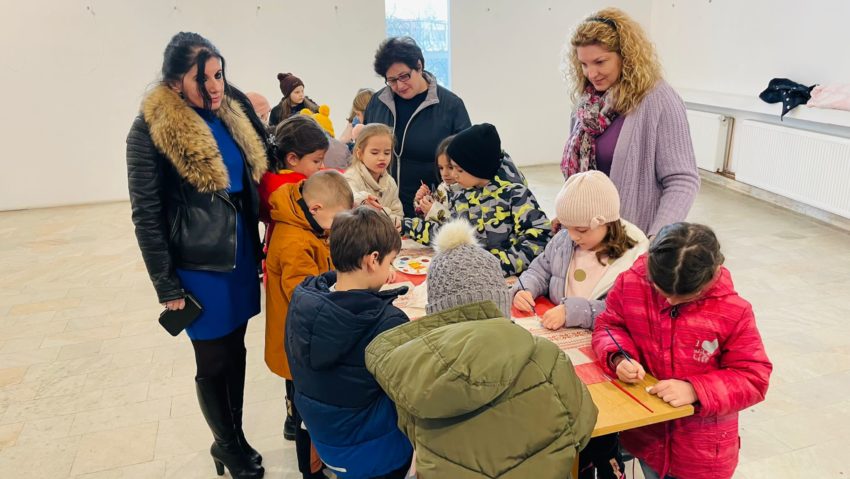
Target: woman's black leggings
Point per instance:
(221, 356)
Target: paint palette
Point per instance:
(415, 265)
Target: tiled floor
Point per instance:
(91, 387)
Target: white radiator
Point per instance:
(812, 168)
(710, 137)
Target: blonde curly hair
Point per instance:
(615, 31)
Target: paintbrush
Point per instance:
(533, 306)
(622, 351)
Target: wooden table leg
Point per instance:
(575, 468)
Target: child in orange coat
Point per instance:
(303, 214)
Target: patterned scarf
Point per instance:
(593, 116)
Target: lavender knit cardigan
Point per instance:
(654, 167)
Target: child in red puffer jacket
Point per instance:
(677, 316)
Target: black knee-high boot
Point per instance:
(225, 450)
(236, 395)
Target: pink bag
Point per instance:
(831, 96)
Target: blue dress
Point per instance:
(229, 299)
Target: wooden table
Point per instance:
(617, 411)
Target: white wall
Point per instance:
(506, 59)
(74, 73)
(736, 47)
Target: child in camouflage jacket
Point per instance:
(435, 208)
(507, 218)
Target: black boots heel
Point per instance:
(227, 450)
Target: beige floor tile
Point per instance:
(33, 329)
(106, 450)
(67, 338)
(184, 405)
(50, 407)
(145, 470)
(38, 430)
(42, 306)
(79, 350)
(183, 435)
(47, 459)
(10, 376)
(61, 386)
(825, 459)
(106, 418)
(12, 346)
(9, 434)
(125, 395)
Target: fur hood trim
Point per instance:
(184, 138)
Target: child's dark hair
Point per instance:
(185, 50)
(683, 258)
(361, 232)
(615, 244)
(398, 50)
(442, 149)
(297, 134)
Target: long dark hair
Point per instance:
(188, 49)
(683, 258)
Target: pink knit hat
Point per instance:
(588, 200)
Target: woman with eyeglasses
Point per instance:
(629, 123)
(420, 112)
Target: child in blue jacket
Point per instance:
(331, 320)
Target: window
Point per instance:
(427, 21)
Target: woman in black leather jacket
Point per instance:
(194, 156)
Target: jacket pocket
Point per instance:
(727, 448)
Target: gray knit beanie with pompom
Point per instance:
(462, 272)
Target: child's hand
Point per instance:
(675, 392)
(524, 301)
(421, 193)
(425, 204)
(391, 277)
(373, 202)
(555, 318)
(556, 226)
(630, 372)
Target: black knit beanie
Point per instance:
(477, 150)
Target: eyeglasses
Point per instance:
(404, 78)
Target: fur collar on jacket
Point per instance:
(184, 138)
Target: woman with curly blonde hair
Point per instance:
(629, 123)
